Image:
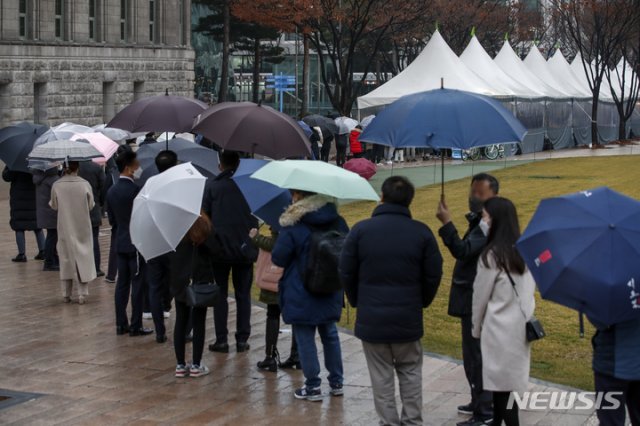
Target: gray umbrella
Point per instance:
(65, 150)
(326, 124)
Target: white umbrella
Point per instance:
(64, 131)
(367, 120)
(345, 124)
(118, 135)
(165, 209)
(64, 150)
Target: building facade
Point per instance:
(83, 60)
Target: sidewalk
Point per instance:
(85, 374)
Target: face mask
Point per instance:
(137, 173)
(484, 227)
(475, 205)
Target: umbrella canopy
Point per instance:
(165, 209)
(64, 131)
(362, 167)
(205, 159)
(326, 124)
(163, 113)
(16, 142)
(305, 128)
(64, 150)
(367, 120)
(254, 129)
(583, 252)
(317, 176)
(266, 201)
(100, 142)
(118, 135)
(345, 124)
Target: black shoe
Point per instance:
(269, 364)
(99, 274)
(21, 258)
(219, 347)
(242, 347)
(140, 332)
(40, 255)
(475, 421)
(465, 409)
(161, 338)
(291, 363)
(51, 268)
(122, 329)
(110, 280)
(189, 338)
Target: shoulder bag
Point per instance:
(268, 275)
(201, 294)
(534, 329)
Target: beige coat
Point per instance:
(72, 197)
(500, 324)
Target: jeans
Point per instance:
(242, 277)
(96, 247)
(50, 253)
(22, 244)
(157, 274)
(305, 335)
(112, 268)
(630, 397)
(181, 329)
(130, 282)
(472, 361)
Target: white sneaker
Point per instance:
(198, 370)
(147, 315)
(182, 370)
(167, 314)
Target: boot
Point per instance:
(270, 363)
(293, 362)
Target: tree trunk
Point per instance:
(306, 87)
(594, 121)
(224, 72)
(622, 128)
(256, 71)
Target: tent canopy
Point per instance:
(560, 68)
(581, 75)
(536, 64)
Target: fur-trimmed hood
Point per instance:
(312, 204)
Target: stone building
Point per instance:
(84, 60)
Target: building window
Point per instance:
(123, 20)
(22, 18)
(39, 103)
(152, 20)
(138, 90)
(59, 18)
(92, 20)
(108, 101)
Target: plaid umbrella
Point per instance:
(65, 150)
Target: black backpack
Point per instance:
(321, 276)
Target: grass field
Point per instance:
(563, 357)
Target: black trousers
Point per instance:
(112, 268)
(96, 247)
(503, 414)
(50, 253)
(158, 275)
(341, 154)
(325, 151)
(181, 329)
(630, 397)
(130, 284)
(242, 277)
(472, 360)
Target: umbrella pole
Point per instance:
(581, 319)
(166, 141)
(442, 174)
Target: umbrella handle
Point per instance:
(442, 172)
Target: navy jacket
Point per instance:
(616, 350)
(119, 206)
(291, 252)
(47, 217)
(391, 269)
(94, 174)
(466, 251)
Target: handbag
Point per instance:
(268, 275)
(533, 327)
(201, 294)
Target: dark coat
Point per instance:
(189, 261)
(94, 174)
(391, 269)
(119, 206)
(230, 216)
(291, 252)
(466, 251)
(22, 200)
(616, 350)
(47, 217)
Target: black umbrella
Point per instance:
(16, 142)
(327, 125)
(254, 129)
(205, 159)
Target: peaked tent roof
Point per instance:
(562, 71)
(536, 64)
(511, 64)
(437, 61)
(581, 75)
(616, 75)
(478, 60)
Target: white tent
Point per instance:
(581, 76)
(561, 70)
(437, 61)
(536, 64)
(511, 64)
(479, 61)
(617, 75)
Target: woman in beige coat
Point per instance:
(72, 197)
(500, 311)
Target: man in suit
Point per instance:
(94, 174)
(130, 265)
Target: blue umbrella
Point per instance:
(266, 201)
(16, 142)
(583, 251)
(305, 128)
(444, 118)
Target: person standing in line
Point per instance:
(466, 251)
(130, 265)
(315, 140)
(341, 149)
(232, 220)
(355, 146)
(94, 174)
(392, 257)
(47, 217)
(503, 303)
(325, 151)
(22, 204)
(72, 198)
(305, 311)
(112, 177)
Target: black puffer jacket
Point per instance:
(391, 269)
(22, 200)
(187, 262)
(47, 217)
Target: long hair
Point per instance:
(503, 234)
(200, 230)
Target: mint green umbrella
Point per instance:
(316, 176)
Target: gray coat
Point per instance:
(46, 216)
(499, 323)
(94, 174)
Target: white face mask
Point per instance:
(137, 173)
(484, 227)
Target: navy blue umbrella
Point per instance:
(16, 142)
(444, 118)
(583, 250)
(266, 201)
